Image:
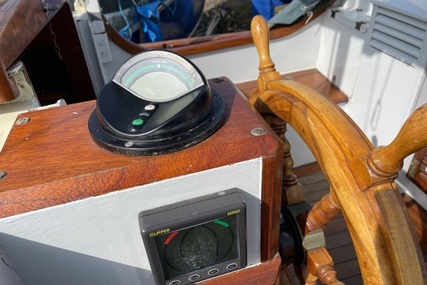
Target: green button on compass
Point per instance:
(137, 122)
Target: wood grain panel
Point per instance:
(266, 273)
(20, 22)
(52, 160)
(312, 78)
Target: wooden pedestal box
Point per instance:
(69, 208)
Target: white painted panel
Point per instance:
(412, 8)
(339, 54)
(384, 95)
(240, 64)
(382, 89)
(97, 240)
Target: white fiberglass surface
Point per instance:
(98, 241)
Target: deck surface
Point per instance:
(338, 241)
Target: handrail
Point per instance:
(190, 46)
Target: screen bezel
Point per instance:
(191, 214)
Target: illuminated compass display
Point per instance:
(157, 102)
(159, 76)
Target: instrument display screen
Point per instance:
(196, 239)
(198, 247)
(158, 76)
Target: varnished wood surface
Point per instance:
(25, 25)
(52, 160)
(20, 22)
(373, 208)
(338, 240)
(419, 218)
(76, 82)
(311, 78)
(55, 148)
(361, 177)
(418, 170)
(267, 273)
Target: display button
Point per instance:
(175, 282)
(213, 271)
(150, 107)
(231, 266)
(194, 277)
(138, 122)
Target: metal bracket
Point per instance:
(23, 85)
(359, 25)
(313, 240)
(49, 7)
(333, 12)
(100, 39)
(99, 33)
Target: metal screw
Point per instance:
(22, 121)
(218, 80)
(257, 132)
(3, 174)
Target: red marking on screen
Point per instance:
(170, 237)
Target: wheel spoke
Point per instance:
(322, 213)
(321, 266)
(361, 177)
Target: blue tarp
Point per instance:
(165, 20)
(265, 8)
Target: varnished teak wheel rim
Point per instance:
(360, 176)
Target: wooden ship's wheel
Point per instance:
(361, 179)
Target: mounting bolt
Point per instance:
(22, 121)
(3, 174)
(257, 132)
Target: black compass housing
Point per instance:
(125, 121)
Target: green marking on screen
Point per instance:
(222, 223)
